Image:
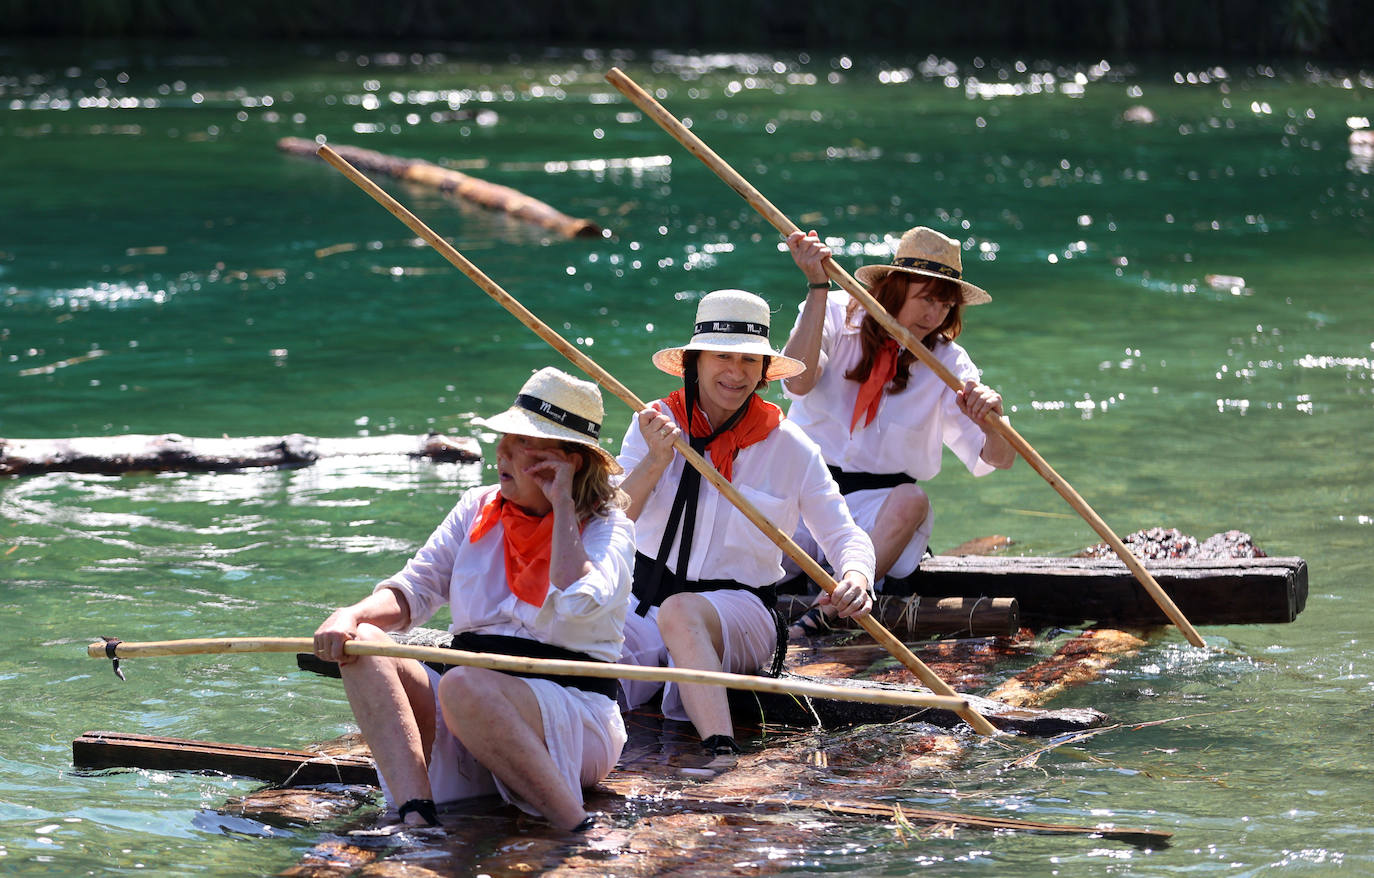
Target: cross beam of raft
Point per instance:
(518, 664)
(490, 195)
(642, 99)
(808, 565)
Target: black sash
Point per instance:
(502, 644)
(851, 482)
(670, 584)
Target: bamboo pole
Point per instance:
(521, 664)
(784, 541)
(696, 147)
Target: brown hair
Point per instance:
(593, 493)
(891, 292)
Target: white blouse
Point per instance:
(910, 427)
(785, 477)
(588, 616)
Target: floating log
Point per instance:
(489, 195)
(115, 455)
(1071, 591)
(923, 618)
(94, 750)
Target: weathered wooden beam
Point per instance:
(1079, 660)
(919, 618)
(489, 195)
(94, 750)
(167, 452)
(1070, 591)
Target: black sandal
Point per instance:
(813, 623)
(721, 745)
(424, 807)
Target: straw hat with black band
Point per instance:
(736, 322)
(925, 252)
(554, 405)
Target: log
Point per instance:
(469, 188)
(1071, 591)
(95, 750)
(1080, 660)
(920, 618)
(167, 452)
(755, 710)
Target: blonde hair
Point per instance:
(593, 492)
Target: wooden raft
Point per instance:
(1070, 591)
(96, 750)
(171, 452)
(489, 195)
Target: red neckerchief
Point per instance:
(760, 419)
(871, 391)
(528, 540)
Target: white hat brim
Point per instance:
(523, 422)
(780, 366)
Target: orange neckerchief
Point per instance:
(760, 419)
(871, 391)
(528, 541)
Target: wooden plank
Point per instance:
(95, 750)
(1070, 591)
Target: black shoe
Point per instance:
(721, 745)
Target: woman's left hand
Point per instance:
(852, 597)
(978, 401)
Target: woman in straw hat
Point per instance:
(703, 572)
(880, 418)
(537, 565)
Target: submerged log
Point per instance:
(168, 452)
(1071, 591)
(1080, 660)
(489, 195)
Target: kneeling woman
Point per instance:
(538, 565)
(704, 572)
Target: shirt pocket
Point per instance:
(743, 541)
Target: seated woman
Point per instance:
(880, 418)
(538, 565)
(704, 573)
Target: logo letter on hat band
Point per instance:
(564, 417)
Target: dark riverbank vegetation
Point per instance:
(1320, 28)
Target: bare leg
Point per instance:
(903, 511)
(394, 706)
(691, 631)
(498, 719)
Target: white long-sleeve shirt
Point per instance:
(588, 616)
(785, 477)
(910, 428)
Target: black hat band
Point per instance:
(560, 416)
(733, 327)
(926, 265)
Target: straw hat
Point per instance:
(736, 322)
(927, 253)
(555, 405)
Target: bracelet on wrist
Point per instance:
(818, 285)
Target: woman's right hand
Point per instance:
(659, 433)
(810, 255)
(330, 637)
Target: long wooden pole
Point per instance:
(696, 147)
(520, 664)
(784, 541)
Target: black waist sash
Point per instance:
(670, 583)
(851, 482)
(502, 644)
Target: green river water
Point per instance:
(147, 219)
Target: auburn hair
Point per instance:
(891, 292)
